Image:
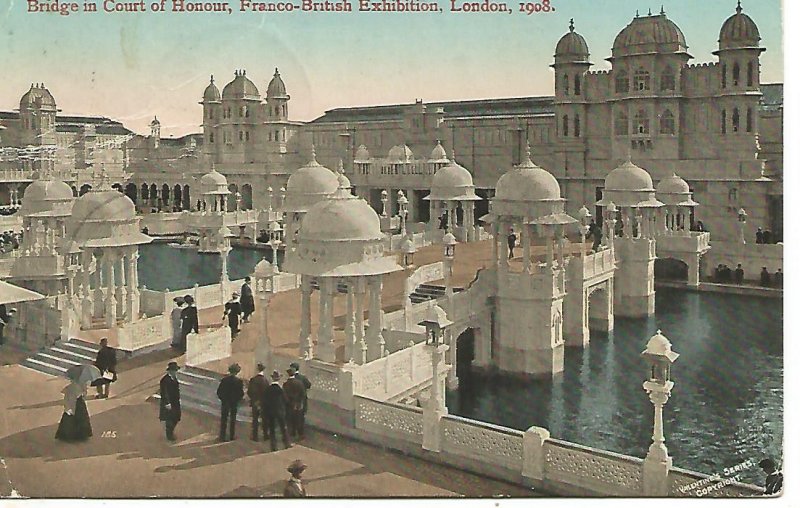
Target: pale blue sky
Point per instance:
(130, 67)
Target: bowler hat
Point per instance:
(188, 299)
(178, 299)
(297, 465)
(291, 371)
(234, 368)
(172, 366)
(295, 366)
(260, 367)
(275, 375)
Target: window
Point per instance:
(621, 124)
(735, 120)
(565, 125)
(577, 126)
(749, 119)
(724, 121)
(641, 80)
(577, 84)
(211, 138)
(270, 136)
(621, 82)
(565, 80)
(641, 122)
(750, 74)
(667, 123)
(247, 136)
(277, 111)
(241, 136)
(667, 80)
(724, 76)
(735, 77)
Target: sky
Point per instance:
(130, 67)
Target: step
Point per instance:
(46, 368)
(82, 345)
(52, 358)
(201, 377)
(71, 353)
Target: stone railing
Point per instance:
(393, 375)
(208, 346)
(683, 241)
(388, 420)
(475, 440)
(146, 333)
(598, 263)
(401, 339)
(11, 222)
(37, 325)
(163, 224)
(752, 257)
(325, 381)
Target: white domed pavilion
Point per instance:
(307, 186)
(452, 189)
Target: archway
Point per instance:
(465, 354)
(233, 189)
(247, 197)
(671, 269)
(187, 202)
(177, 198)
(153, 194)
(84, 189)
(164, 202)
(130, 191)
(145, 194)
(600, 312)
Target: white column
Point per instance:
(132, 304)
(361, 345)
(111, 299)
(325, 348)
(525, 239)
(86, 291)
(306, 347)
(350, 327)
(121, 292)
(375, 341)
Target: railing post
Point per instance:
(533, 454)
(345, 391)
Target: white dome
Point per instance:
(341, 219)
(673, 185)
(438, 154)
(452, 182)
(528, 182)
(213, 179)
(362, 155)
(103, 206)
(629, 177)
(313, 178)
(400, 154)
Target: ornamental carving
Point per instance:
(488, 444)
(582, 464)
(391, 418)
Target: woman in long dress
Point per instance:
(74, 425)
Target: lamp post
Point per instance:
(659, 357)
(408, 249)
(224, 245)
(402, 202)
(384, 200)
(264, 275)
(269, 202)
(742, 220)
(583, 216)
(274, 242)
(435, 323)
(449, 256)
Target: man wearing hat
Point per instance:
(294, 485)
(175, 320)
(304, 380)
(295, 402)
(233, 309)
(248, 303)
(170, 407)
(275, 410)
(230, 392)
(256, 390)
(774, 482)
(189, 322)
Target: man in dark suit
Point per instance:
(4, 318)
(512, 243)
(303, 379)
(256, 389)
(230, 392)
(106, 361)
(274, 404)
(233, 309)
(189, 321)
(248, 303)
(295, 401)
(170, 408)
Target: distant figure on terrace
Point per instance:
(248, 303)
(759, 236)
(175, 319)
(768, 236)
(739, 274)
(189, 321)
(443, 220)
(5, 317)
(765, 278)
(106, 361)
(701, 227)
(778, 279)
(596, 233)
(230, 392)
(512, 242)
(233, 309)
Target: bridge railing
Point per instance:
(598, 263)
(394, 374)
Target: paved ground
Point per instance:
(139, 462)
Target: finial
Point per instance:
(340, 168)
(649, 12)
(212, 79)
(528, 149)
(453, 155)
(276, 72)
(738, 6)
(313, 153)
(571, 25)
(662, 10)
(637, 13)
(628, 160)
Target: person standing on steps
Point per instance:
(230, 392)
(256, 390)
(170, 406)
(189, 322)
(247, 301)
(274, 404)
(512, 242)
(295, 401)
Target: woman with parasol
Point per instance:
(75, 424)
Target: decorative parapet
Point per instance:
(394, 421)
(598, 264)
(208, 346)
(143, 333)
(392, 375)
(484, 442)
(592, 471)
(683, 242)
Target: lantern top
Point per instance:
(449, 239)
(659, 345)
(436, 317)
(263, 268)
(584, 212)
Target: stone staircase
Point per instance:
(56, 359)
(425, 292)
(199, 392)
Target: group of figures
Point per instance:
(240, 307)
(724, 275)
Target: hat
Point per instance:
(234, 368)
(295, 366)
(297, 465)
(260, 367)
(247, 279)
(275, 375)
(188, 299)
(178, 299)
(235, 294)
(172, 366)
(767, 464)
(291, 371)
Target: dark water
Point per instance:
(726, 406)
(162, 267)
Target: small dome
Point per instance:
(673, 185)
(240, 88)
(212, 92)
(629, 177)
(452, 182)
(438, 155)
(313, 178)
(103, 206)
(263, 268)
(213, 179)
(38, 95)
(362, 155)
(572, 47)
(400, 154)
(739, 31)
(38, 196)
(649, 34)
(342, 218)
(658, 345)
(527, 182)
(276, 88)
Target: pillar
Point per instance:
(350, 326)
(109, 259)
(325, 347)
(435, 407)
(525, 239)
(121, 293)
(86, 291)
(132, 304)
(306, 347)
(361, 347)
(375, 341)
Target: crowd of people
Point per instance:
(10, 240)
(724, 275)
(765, 237)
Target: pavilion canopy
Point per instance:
(9, 293)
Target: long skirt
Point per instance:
(75, 427)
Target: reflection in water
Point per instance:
(726, 407)
(162, 267)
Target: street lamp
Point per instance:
(274, 241)
(742, 216)
(264, 275)
(583, 216)
(384, 200)
(402, 202)
(435, 323)
(408, 249)
(659, 357)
